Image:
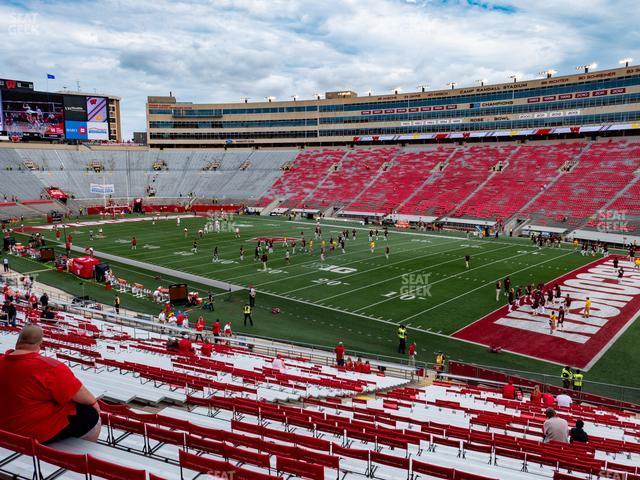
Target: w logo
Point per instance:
(10, 84)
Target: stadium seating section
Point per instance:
(233, 413)
(556, 183)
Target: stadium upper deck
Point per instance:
(599, 101)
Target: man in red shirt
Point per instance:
(41, 398)
(509, 391)
(216, 330)
(184, 346)
(340, 351)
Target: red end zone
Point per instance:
(615, 305)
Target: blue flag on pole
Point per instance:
(50, 76)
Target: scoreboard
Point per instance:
(29, 114)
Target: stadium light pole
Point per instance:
(423, 87)
(626, 61)
(586, 67)
(369, 92)
(481, 81)
(514, 77)
(270, 99)
(245, 99)
(452, 85)
(547, 73)
(295, 97)
(397, 90)
(317, 95)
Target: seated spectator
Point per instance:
(509, 391)
(172, 344)
(358, 366)
(41, 397)
(548, 400)
(184, 345)
(577, 433)
(278, 363)
(349, 365)
(536, 395)
(47, 314)
(564, 401)
(519, 394)
(555, 428)
(366, 367)
(162, 318)
(206, 348)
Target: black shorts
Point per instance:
(80, 424)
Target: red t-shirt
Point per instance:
(509, 391)
(340, 352)
(180, 319)
(412, 350)
(216, 328)
(536, 397)
(206, 350)
(548, 400)
(184, 346)
(39, 399)
(200, 325)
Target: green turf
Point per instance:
(357, 297)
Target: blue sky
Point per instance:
(223, 50)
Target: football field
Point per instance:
(360, 297)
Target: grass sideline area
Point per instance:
(358, 297)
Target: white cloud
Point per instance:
(221, 50)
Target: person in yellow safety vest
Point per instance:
(578, 377)
(402, 338)
(247, 314)
(440, 359)
(567, 377)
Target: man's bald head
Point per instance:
(30, 338)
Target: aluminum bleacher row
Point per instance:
(232, 414)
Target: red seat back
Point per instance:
(301, 469)
(69, 461)
(112, 471)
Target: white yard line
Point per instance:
(445, 278)
(386, 265)
(484, 285)
(402, 275)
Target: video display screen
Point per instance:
(32, 114)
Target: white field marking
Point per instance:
(249, 253)
(610, 343)
(448, 277)
(493, 311)
(350, 227)
(402, 275)
(394, 323)
(365, 259)
(386, 265)
(484, 285)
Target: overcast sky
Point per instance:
(222, 50)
